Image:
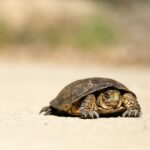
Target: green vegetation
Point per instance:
(94, 33)
(88, 33)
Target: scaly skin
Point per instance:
(87, 107)
(92, 108)
(130, 102)
(109, 100)
(107, 103)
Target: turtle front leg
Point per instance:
(130, 102)
(87, 107)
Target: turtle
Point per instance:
(92, 98)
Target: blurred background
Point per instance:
(106, 32)
(47, 44)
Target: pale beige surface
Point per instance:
(24, 89)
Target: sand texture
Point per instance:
(26, 88)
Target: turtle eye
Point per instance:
(106, 95)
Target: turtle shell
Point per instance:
(80, 88)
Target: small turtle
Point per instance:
(94, 98)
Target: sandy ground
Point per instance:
(25, 88)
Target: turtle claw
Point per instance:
(89, 115)
(131, 113)
(46, 109)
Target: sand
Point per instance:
(26, 88)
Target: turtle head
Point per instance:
(110, 99)
(111, 95)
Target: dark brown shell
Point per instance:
(80, 88)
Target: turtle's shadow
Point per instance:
(102, 116)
